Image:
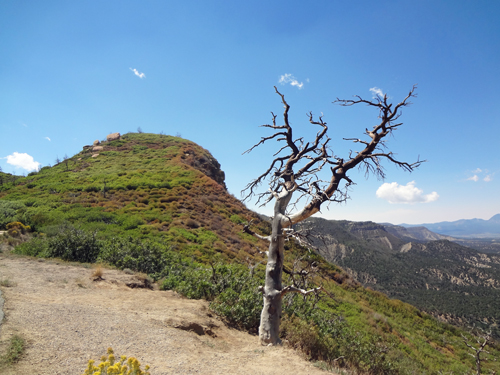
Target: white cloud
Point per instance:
(289, 78)
(407, 194)
(23, 160)
(136, 72)
(47, 138)
(478, 175)
(377, 92)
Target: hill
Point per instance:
(142, 185)
(157, 204)
(453, 282)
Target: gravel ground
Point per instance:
(68, 318)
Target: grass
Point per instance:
(98, 272)
(7, 283)
(15, 351)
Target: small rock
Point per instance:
(97, 148)
(95, 155)
(96, 142)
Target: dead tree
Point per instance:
(485, 338)
(296, 168)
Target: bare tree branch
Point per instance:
(247, 230)
(480, 349)
(297, 166)
(293, 289)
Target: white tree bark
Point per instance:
(298, 171)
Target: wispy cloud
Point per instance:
(138, 74)
(47, 138)
(473, 178)
(478, 170)
(289, 78)
(377, 92)
(488, 178)
(22, 160)
(406, 194)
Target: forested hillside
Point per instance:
(157, 204)
(453, 282)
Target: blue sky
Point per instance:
(74, 71)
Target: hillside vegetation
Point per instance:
(454, 283)
(157, 204)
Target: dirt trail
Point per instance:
(67, 319)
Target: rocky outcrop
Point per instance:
(113, 137)
(96, 142)
(211, 167)
(203, 161)
(97, 148)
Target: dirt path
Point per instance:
(67, 318)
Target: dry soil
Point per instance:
(67, 317)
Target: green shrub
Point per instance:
(237, 219)
(10, 211)
(68, 243)
(132, 222)
(35, 247)
(74, 245)
(240, 309)
(230, 288)
(144, 256)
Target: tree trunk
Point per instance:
(271, 313)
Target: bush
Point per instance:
(68, 243)
(15, 229)
(74, 245)
(36, 247)
(240, 309)
(109, 365)
(10, 211)
(132, 222)
(230, 288)
(143, 256)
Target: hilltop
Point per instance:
(141, 185)
(157, 204)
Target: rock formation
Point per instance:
(113, 137)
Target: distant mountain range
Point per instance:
(451, 281)
(472, 228)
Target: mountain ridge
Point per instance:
(436, 275)
(464, 228)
